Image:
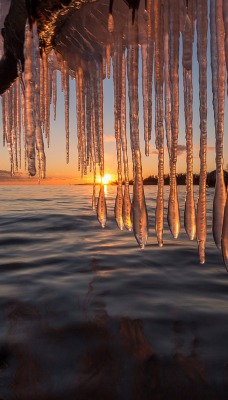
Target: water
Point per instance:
(85, 314)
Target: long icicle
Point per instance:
(220, 189)
(126, 197)
(173, 206)
(29, 97)
(225, 18)
(189, 211)
(117, 72)
(201, 221)
(139, 210)
(159, 26)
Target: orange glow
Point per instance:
(107, 178)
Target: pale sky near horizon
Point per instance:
(56, 158)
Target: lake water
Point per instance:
(85, 314)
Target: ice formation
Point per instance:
(112, 40)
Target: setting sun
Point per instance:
(107, 178)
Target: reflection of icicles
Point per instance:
(220, 190)
(29, 97)
(189, 212)
(224, 242)
(173, 207)
(101, 207)
(201, 222)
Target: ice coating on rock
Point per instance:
(201, 222)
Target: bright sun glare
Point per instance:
(107, 178)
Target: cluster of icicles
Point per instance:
(27, 104)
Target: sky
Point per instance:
(58, 171)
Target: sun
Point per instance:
(107, 178)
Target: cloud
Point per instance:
(181, 148)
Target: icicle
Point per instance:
(4, 126)
(189, 212)
(144, 49)
(150, 55)
(8, 126)
(139, 211)
(225, 18)
(100, 123)
(39, 136)
(117, 78)
(29, 98)
(94, 188)
(20, 75)
(104, 66)
(42, 94)
(14, 129)
(66, 90)
(159, 213)
(18, 118)
(110, 23)
(167, 80)
(101, 207)
(54, 91)
(173, 207)
(224, 242)
(46, 98)
(201, 222)
(126, 197)
(108, 60)
(220, 190)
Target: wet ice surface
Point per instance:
(84, 313)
